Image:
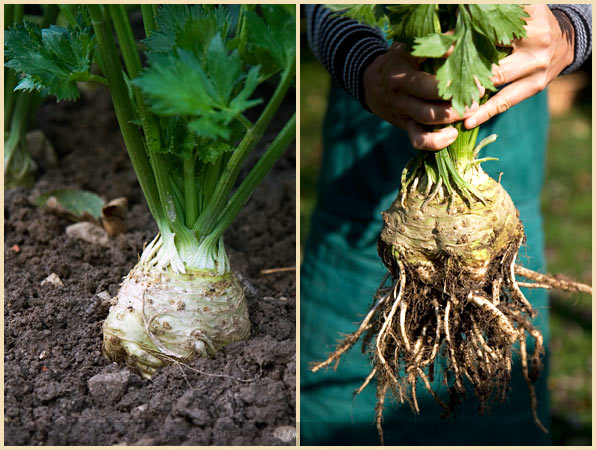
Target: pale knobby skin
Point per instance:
(474, 233)
(162, 315)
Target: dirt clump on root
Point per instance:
(59, 389)
(447, 304)
(471, 324)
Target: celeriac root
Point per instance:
(413, 325)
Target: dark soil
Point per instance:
(245, 395)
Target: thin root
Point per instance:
(368, 378)
(351, 339)
(504, 323)
(516, 292)
(382, 335)
(402, 324)
(553, 282)
(483, 343)
(533, 285)
(533, 401)
(451, 349)
(497, 290)
(437, 335)
(433, 393)
(381, 392)
(414, 398)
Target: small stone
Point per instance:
(142, 408)
(285, 433)
(88, 232)
(54, 280)
(43, 355)
(108, 387)
(146, 441)
(104, 296)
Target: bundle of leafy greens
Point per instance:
(451, 237)
(183, 121)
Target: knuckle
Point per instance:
(542, 61)
(542, 82)
(499, 75)
(544, 37)
(502, 105)
(396, 82)
(416, 143)
(422, 115)
(417, 140)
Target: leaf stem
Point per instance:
(67, 13)
(149, 122)
(254, 177)
(93, 77)
(190, 191)
(208, 217)
(8, 15)
(125, 112)
(149, 12)
(244, 121)
(50, 14)
(130, 55)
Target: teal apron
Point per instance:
(362, 163)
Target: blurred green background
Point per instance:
(567, 208)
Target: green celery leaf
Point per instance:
(199, 31)
(223, 68)
(184, 84)
(271, 39)
(457, 74)
(241, 101)
(54, 58)
(177, 138)
(369, 14)
(28, 84)
(433, 45)
(176, 84)
(499, 23)
(190, 27)
(207, 127)
(407, 22)
(210, 151)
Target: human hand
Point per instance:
(535, 61)
(397, 91)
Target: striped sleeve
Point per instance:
(344, 46)
(581, 19)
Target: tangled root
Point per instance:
(411, 324)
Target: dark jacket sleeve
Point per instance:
(581, 19)
(344, 46)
